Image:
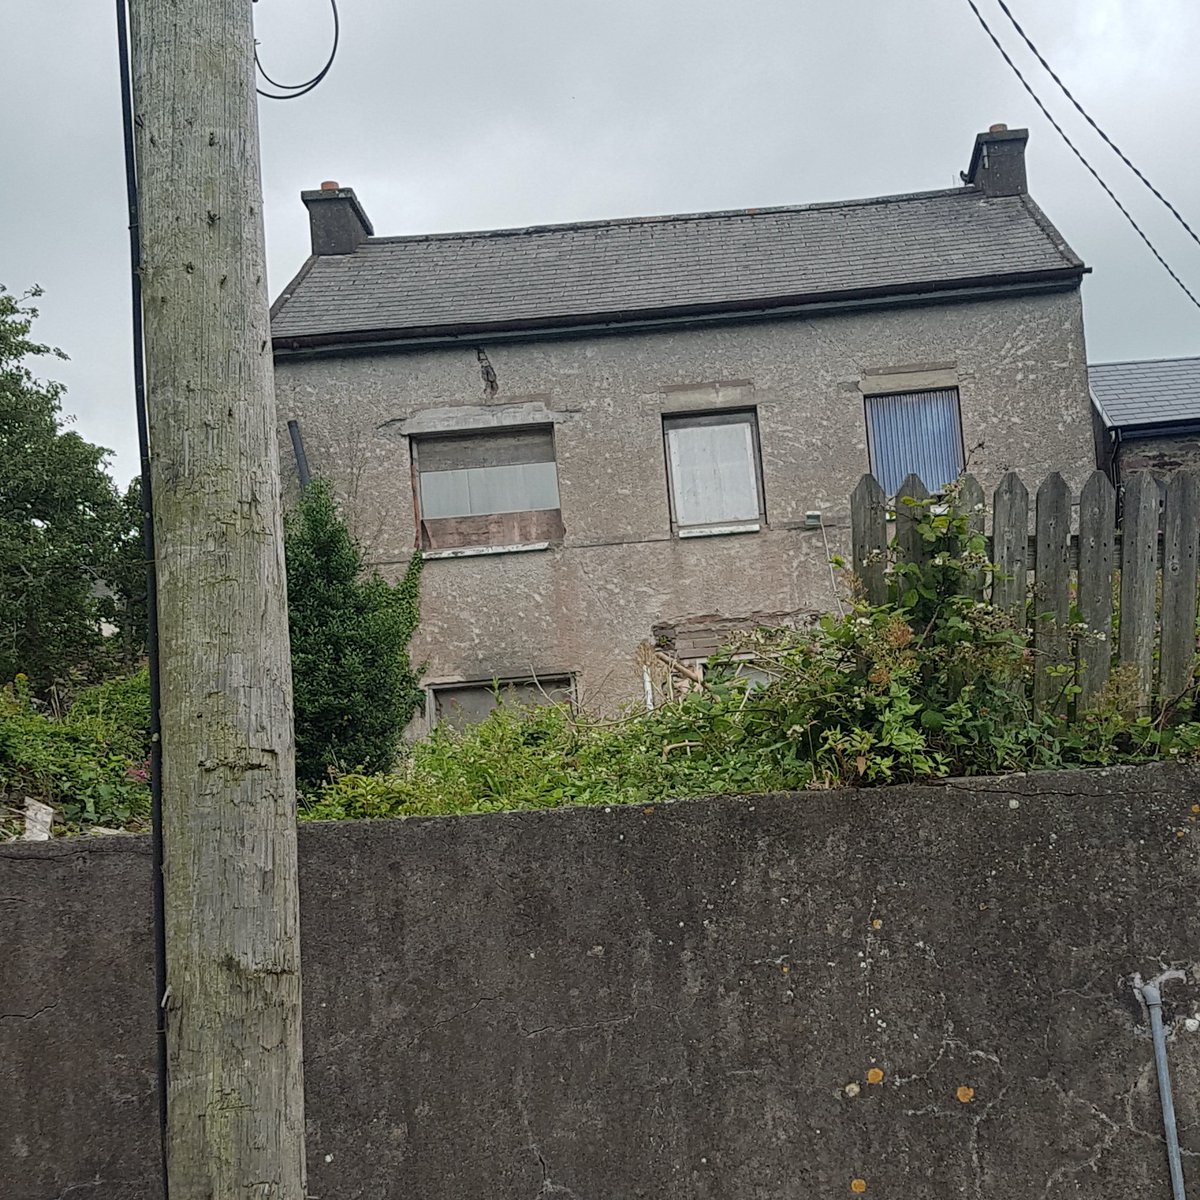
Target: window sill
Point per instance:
(718, 530)
(477, 551)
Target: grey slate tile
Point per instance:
(651, 264)
(1147, 392)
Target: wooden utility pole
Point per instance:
(235, 1110)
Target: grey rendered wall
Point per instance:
(584, 607)
(678, 1003)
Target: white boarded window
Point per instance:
(492, 488)
(915, 433)
(713, 470)
(478, 474)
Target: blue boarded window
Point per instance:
(915, 433)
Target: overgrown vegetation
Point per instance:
(88, 765)
(355, 689)
(930, 684)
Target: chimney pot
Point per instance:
(998, 162)
(1000, 128)
(336, 220)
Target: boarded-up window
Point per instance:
(460, 704)
(915, 433)
(713, 468)
(496, 488)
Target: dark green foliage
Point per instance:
(355, 689)
(124, 606)
(61, 522)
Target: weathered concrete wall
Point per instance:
(677, 1003)
(584, 607)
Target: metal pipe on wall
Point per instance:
(1150, 994)
(298, 451)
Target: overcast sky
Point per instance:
(460, 114)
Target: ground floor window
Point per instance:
(457, 705)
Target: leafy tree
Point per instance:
(60, 518)
(124, 605)
(355, 688)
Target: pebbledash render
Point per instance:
(611, 436)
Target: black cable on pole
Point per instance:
(1062, 133)
(1066, 91)
(143, 435)
(293, 91)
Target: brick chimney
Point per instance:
(998, 162)
(336, 219)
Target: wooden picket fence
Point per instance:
(1148, 558)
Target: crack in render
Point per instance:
(549, 1187)
(973, 1140)
(76, 1187)
(37, 1012)
(555, 1029)
(455, 1016)
(949, 1042)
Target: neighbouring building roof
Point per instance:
(360, 288)
(1159, 391)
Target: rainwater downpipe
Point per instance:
(1150, 994)
(298, 451)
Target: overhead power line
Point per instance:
(1062, 133)
(293, 91)
(1066, 91)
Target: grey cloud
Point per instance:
(463, 114)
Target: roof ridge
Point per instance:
(670, 218)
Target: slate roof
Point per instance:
(638, 268)
(1149, 392)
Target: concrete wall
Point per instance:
(679, 1003)
(583, 607)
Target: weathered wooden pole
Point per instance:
(235, 1111)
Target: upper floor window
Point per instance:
(494, 489)
(915, 433)
(714, 472)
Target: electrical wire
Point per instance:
(158, 903)
(1062, 133)
(293, 91)
(1066, 91)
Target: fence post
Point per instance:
(910, 546)
(1139, 563)
(1097, 529)
(868, 538)
(1181, 527)
(1010, 546)
(1051, 591)
(970, 505)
